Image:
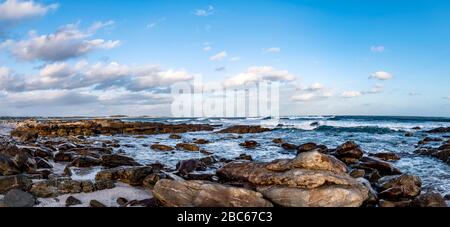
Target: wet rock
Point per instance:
(440, 130)
(306, 147)
(103, 184)
(59, 128)
(245, 157)
(349, 150)
(25, 163)
(326, 196)
(172, 193)
(288, 146)
(386, 203)
(65, 156)
(312, 160)
(409, 134)
(429, 199)
(159, 147)
(399, 186)
(447, 197)
(86, 161)
(201, 141)
(386, 156)
(249, 144)
(25, 136)
(202, 176)
(14, 182)
(188, 147)
(278, 141)
(43, 164)
(130, 175)
(116, 160)
(417, 128)
(72, 201)
(96, 204)
(122, 201)
(357, 173)
(152, 179)
(384, 168)
(175, 137)
(187, 166)
(8, 166)
(19, 198)
(245, 129)
(44, 189)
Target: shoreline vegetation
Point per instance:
(39, 162)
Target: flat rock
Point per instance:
(19, 198)
(173, 193)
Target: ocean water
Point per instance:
(373, 134)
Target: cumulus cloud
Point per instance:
(303, 97)
(48, 98)
(350, 94)
(259, 73)
(377, 49)
(67, 42)
(99, 76)
(219, 57)
(204, 12)
(272, 50)
(13, 11)
(381, 75)
(207, 48)
(312, 87)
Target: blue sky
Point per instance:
(332, 57)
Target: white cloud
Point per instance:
(312, 87)
(17, 10)
(68, 42)
(381, 75)
(219, 57)
(377, 49)
(155, 23)
(272, 50)
(204, 12)
(350, 94)
(259, 73)
(376, 89)
(303, 97)
(207, 48)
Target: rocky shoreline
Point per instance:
(40, 164)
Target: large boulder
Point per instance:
(130, 175)
(14, 182)
(325, 196)
(19, 198)
(173, 193)
(116, 160)
(86, 161)
(399, 186)
(8, 166)
(349, 150)
(312, 179)
(384, 168)
(429, 199)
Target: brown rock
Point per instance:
(116, 160)
(188, 147)
(288, 146)
(14, 182)
(129, 175)
(384, 168)
(201, 141)
(400, 186)
(96, 204)
(249, 144)
(386, 156)
(172, 193)
(306, 147)
(278, 141)
(86, 161)
(175, 137)
(429, 199)
(8, 166)
(159, 147)
(244, 129)
(349, 150)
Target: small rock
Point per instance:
(288, 146)
(201, 141)
(349, 150)
(159, 147)
(116, 160)
(152, 179)
(86, 161)
(386, 156)
(278, 141)
(429, 199)
(96, 204)
(249, 144)
(175, 137)
(43, 164)
(121, 201)
(71, 201)
(357, 173)
(245, 157)
(188, 147)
